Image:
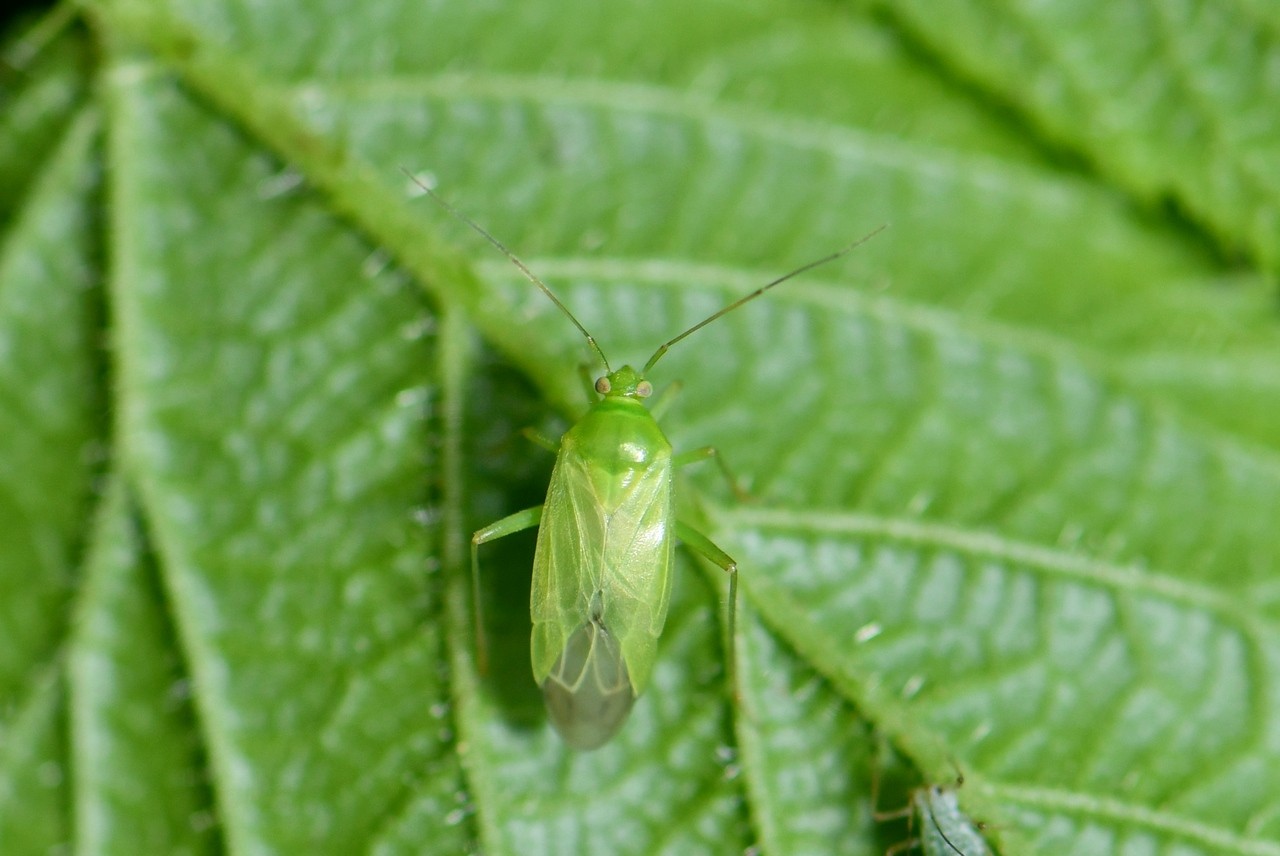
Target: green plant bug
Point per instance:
(945, 830)
(606, 538)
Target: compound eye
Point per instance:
(644, 389)
(603, 386)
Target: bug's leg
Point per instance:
(660, 406)
(665, 399)
(537, 438)
(693, 456)
(908, 811)
(903, 847)
(588, 382)
(703, 546)
(892, 814)
(508, 525)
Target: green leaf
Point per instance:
(1169, 100)
(141, 779)
(1015, 463)
(43, 82)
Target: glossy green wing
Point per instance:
(638, 555)
(566, 564)
(604, 551)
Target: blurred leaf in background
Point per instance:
(1016, 462)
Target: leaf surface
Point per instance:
(1015, 463)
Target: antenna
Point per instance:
(524, 269)
(658, 354)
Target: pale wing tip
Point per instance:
(588, 693)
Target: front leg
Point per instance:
(509, 525)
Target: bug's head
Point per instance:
(626, 382)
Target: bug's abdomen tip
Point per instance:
(588, 693)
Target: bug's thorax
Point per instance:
(616, 445)
(618, 434)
